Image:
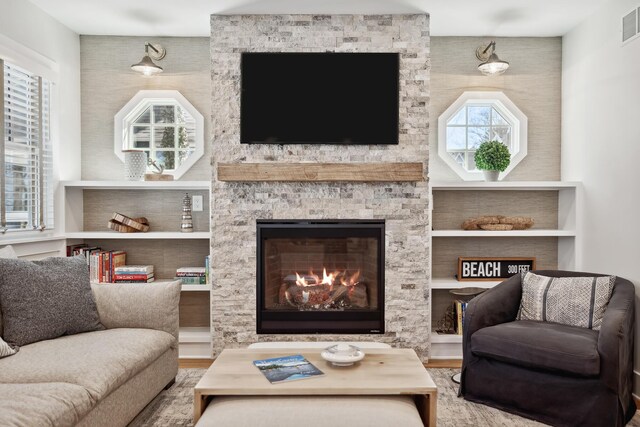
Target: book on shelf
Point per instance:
(207, 266)
(287, 368)
(144, 277)
(191, 271)
(192, 280)
(148, 280)
(103, 263)
(460, 311)
(134, 269)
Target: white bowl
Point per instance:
(342, 355)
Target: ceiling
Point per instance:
(507, 18)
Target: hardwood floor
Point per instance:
(194, 363)
(444, 363)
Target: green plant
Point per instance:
(492, 156)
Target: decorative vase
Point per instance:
(135, 165)
(186, 226)
(491, 175)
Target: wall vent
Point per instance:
(631, 25)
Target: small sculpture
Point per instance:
(156, 174)
(186, 226)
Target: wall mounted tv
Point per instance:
(319, 98)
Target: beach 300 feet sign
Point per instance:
(483, 268)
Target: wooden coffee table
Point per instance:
(382, 372)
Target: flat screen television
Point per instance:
(319, 98)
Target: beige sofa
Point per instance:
(102, 378)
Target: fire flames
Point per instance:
(330, 279)
(338, 290)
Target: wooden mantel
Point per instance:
(321, 172)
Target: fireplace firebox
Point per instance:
(320, 276)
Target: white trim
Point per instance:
(138, 185)
(24, 57)
(140, 101)
(163, 235)
(506, 107)
(504, 185)
(508, 233)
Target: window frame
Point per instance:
(510, 112)
(142, 100)
(43, 208)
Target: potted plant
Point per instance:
(492, 157)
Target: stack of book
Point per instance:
(101, 263)
(134, 274)
(460, 310)
(192, 275)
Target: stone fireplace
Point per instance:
(316, 276)
(399, 291)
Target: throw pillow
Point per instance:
(6, 349)
(8, 252)
(574, 301)
(46, 299)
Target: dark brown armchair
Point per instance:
(557, 374)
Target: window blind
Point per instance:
(27, 179)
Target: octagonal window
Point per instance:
(164, 125)
(476, 117)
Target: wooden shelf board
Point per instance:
(197, 235)
(137, 185)
(321, 172)
(509, 233)
(504, 185)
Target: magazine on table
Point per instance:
(287, 368)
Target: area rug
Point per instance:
(174, 407)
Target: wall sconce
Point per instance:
(146, 66)
(491, 65)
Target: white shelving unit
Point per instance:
(510, 233)
(447, 346)
(137, 236)
(195, 342)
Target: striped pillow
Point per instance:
(574, 301)
(6, 349)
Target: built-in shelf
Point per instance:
(196, 235)
(185, 288)
(137, 185)
(321, 172)
(505, 185)
(445, 338)
(194, 335)
(455, 284)
(509, 233)
(196, 288)
(13, 238)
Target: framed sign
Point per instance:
(492, 268)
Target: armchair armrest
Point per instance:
(497, 305)
(135, 305)
(615, 340)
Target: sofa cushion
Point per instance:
(43, 404)
(575, 301)
(46, 299)
(99, 361)
(541, 345)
